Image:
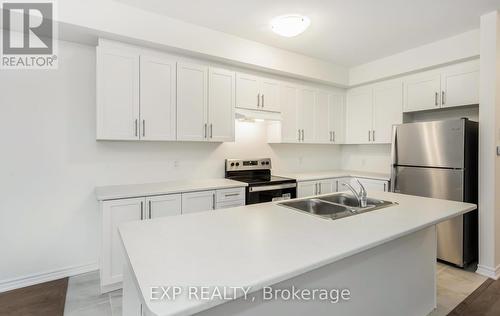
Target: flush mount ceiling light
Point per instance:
(290, 25)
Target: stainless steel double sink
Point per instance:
(335, 206)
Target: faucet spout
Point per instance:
(361, 196)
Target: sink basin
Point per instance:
(335, 206)
(320, 208)
(351, 201)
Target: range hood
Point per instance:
(252, 115)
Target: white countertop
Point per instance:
(263, 244)
(327, 174)
(150, 189)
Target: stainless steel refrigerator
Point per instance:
(440, 160)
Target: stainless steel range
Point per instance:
(262, 185)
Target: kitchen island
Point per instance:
(247, 260)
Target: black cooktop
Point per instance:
(259, 180)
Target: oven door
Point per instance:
(269, 193)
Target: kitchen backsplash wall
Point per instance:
(373, 158)
(56, 161)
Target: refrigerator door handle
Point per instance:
(394, 157)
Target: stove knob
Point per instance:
(237, 164)
(232, 164)
(263, 163)
(267, 162)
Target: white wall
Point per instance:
(51, 163)
(489, 138)
(372, 158)
(460, 47)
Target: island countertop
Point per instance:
(263, 244)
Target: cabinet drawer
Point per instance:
(228, 195)
(230, 204)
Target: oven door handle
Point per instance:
(272, 187)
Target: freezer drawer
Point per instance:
(430, 144)
(446, 184)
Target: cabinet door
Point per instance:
(158, 100)
(359, 116)
(374, 185)
(221, 105)
(163, 205)
(306, 188)
(192, 102)
(387, 110)
(289, 114)
(115, 213)
(117, 94)
(195, 202)
(422, 92)
(336, 117)
(247, 91)
(322, 132)
(306, 114)
(270, 95)
(326, 186)
(340, 187)
(460, 84)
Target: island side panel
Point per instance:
(393, 279)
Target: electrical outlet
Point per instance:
(176, 163)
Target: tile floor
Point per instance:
(83, 298)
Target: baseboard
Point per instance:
(493, 273)
(16, 283)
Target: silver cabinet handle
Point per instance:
(136, 127)
(205, 130)
(142, 210)
(262, 100)
(319, 184)
(302, 135)
(149, 202)
(299, 134)
(373, 135)
(143, 128)
(436, 96)
(369, 136)
(316, 189)
(213, 201)
(385, 187)
(231, 194)
(331, 137)
(443, 100)
(258, 100)
(211, 131)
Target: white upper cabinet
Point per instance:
(192, 102)
(221, 104)
(257, 93)
(372, 111)
(289, 112)
(336, 118)
(322, 131)
(422, 92)
(359, 116)
(460, 84)
(387, 110)
(306, 114)
(454, 85)
(270, 98)
(163, 205)
(117, 94)
(158, 100)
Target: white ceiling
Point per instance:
(345, 32)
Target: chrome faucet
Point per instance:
(361, 196)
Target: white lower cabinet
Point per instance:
(163, 205)
(325, 186)
(195, 202)
(316, 187)
(116, 212)
(375, 185)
